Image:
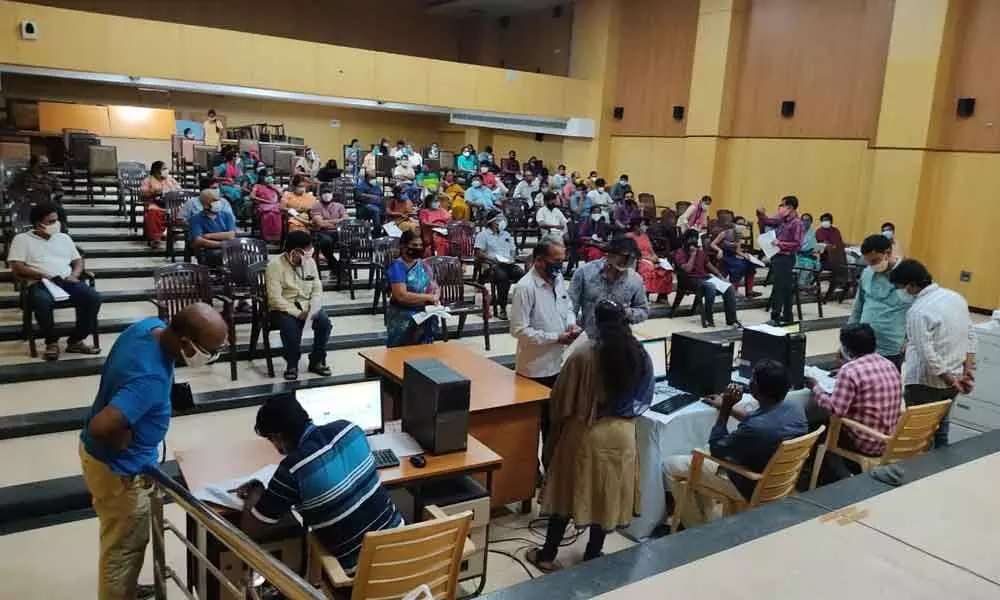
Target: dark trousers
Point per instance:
(326, 242)
(554, 536)
(896, 359)
(784, 287)
(502, 275)
(728, 301)
(210, 257)
(546, 419)
(291, 329)
(84, 299)
(915, 394)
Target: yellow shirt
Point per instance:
(213, 129)
(288, 285)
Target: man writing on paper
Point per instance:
(691, 259)
(47, 261)
(327, 474)
(542, 318)
(124, 429)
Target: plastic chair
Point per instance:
(260, 323)
(449, 277)
(354, 237)
(913, 435)
(177, 227)
(384, 250)
(102, 171)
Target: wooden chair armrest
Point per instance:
(725, 464)
(852, 424)
(435, 512)
(330, 565)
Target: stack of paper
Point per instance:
(766, 241)
(223, 493)
(440, 230)
(392, 230)
(769, 329)
(434, 310)
(58, 294)
(823, 379)
(721, 285)
(665, 264)
(755, 261)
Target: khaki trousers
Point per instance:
(122, 506)
(700, 508)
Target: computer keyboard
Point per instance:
(385, 458)
(674, 403)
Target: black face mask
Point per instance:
(415, 252)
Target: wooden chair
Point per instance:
(776, 481)
(177, 228)
(461, 241)
(395, 561)
(180, 285)
(384, 250)
(354, 237)
(449, 277)
(260, 323)
(913, 435)
(102, 171)
(520, 221)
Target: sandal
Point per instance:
(544, 566)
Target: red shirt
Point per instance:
(867, 390)
(699, 270)
(830, 237)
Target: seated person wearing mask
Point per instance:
(478, 195)
(369, 196)
(827, 233)
(696, 216)
(593, 235)
(47, 253)
(294, 298)
(611, 278)
(308, 164)
(889, 231)
(626, 211)
(192, 206)
(209, 228)
(327, 214)
(467, 161)
(694, 262)
(620, 188)
(867, 390)
(751, 446)
(435, 216)
(327, 475)
(729, 245)
(299, 200)
(527, 187)
(550, 218)
(496, 250)
(600, 197)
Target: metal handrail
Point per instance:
(274, 571)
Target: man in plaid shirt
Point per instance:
(867, 390)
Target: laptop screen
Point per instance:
(359, 403)
(657, 350)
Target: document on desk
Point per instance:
(823, 378)
(441, 312)
(766, 243)
(721, 285)
(402, 444)
(58, 294)
(768, 329)
(223, 493)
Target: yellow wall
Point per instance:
(653, 165)
(94, 42)
(550, 150)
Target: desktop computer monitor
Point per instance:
(657, 350)
(359, 403)
(699, 366)
(789, 349)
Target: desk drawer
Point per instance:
(976, 413)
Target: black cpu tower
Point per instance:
(789, 350)
(699, 366)
(435, 406)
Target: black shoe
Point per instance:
(502, 314)
(143, 591)
(706, 323)
(320, 369)
(735, 324)
(291, 374)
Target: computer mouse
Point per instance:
(418, 461)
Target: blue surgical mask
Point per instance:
(476, 184)
(904, 295)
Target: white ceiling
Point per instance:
(488, 7)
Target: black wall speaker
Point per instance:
(966, 107)
(788, 108)
(539, 137)
(678, 113)
(619, 112)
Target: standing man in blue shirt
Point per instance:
(877, 303)
(209, 228)
(124, 429)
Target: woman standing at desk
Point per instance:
(412, 288)
(590, 456)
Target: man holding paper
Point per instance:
(49, 263)
(787, 241)
(694, 262)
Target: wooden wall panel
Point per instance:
(656, 52)
(826, 55)
(975, 72)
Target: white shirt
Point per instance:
(939, 334)
(602, 199)
(50, 256)
(523, 190)
(540, 313)
(416, 161)
(551, 216)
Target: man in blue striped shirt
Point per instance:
(327, 475)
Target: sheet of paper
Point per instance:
(504, 260)
(755, 261)
(766, 243)
(820, 247)
(223, 493)
(823, 378)
(402, 444)
(721, 285)
(665, 264)
(769, 329)
(392, 230)
(440, 230)
(58, 294)
(441, 312)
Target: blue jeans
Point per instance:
(728, 301)
(82, 297)
(291, 329)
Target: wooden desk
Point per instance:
(504, 409)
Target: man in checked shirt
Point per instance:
(867, 390)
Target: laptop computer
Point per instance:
(360, 403)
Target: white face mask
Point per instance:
(435, 204)
(904, 295)
(53, 228)
(888, 233)
(622, 182)
(466, 153)
(198, 359)
(600, 190)
(299, 191)
(326, 197)
(826, 224)
(216, 207)
(595, 217)
(881, 266)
